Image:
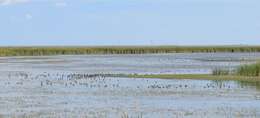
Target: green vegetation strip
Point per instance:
(194, 76)
(41, 51)
(248, 70)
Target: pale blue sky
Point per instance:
(129, 22)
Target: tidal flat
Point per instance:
(78, 86)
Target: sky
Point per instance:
(129, 22)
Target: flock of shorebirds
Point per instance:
(97, 81)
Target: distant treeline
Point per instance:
(39, 51)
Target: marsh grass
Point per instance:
(195, 76)
(40, 51)
(221, 72)
(249, 70)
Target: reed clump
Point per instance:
(221, 72)
(243, 70)
(249, 70)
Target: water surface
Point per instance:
(64, 86)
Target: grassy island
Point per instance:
(249, 72)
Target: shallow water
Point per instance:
(63, 86)
(148, 63)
